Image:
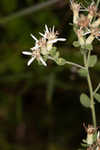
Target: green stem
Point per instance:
(98, 87)
(90, 90)
(69, 62)
(97, 4)
(74, 64)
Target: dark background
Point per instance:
(39, 106)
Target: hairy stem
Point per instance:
(90, 90)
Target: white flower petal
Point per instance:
(86, 33)
(31, 60)
(46, 27)
(26, 53)
(56, 40)
(34, 37)
(42, 35)
(52, 41)
(33, 48)
(42, 61)
(61, 39)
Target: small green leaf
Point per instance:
(53, 51)
(56, 56)
(61, 61)
(97, 97)
(45, 57)
(84, 145)
(89, 47)
(83, 72)
(85, 101)
(95, 136)
(92, 60)
(76, 44)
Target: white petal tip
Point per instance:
(34, 37)
(26, 53)
(62, 39)
(31, 60)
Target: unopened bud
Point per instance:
(80, 37)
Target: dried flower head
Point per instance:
(81, 39)
(92, 9)
(87, 26)
(75, 6)
(83, 21)
(90, 129)
(90, 132)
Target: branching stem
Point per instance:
(98, 87)
(90, 90)
(74, 64)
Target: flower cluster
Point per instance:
(86, 27)
(93, 138)
(44, 48)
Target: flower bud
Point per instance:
(75, 8)
(80, 37)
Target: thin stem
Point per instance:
(98, 87)
(74, 64)
(70, 63)
(97, 4)
(90, 90)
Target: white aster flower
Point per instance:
(51, 35)
(34, 55)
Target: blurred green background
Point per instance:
(39, 106)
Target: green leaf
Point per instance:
(56, 55)
(45, 57)
(76, 44)
(95, 136)
(85, 101)
(61, 61)
(53, 51)
(85, 141)
(84, 145)
(89, 47)
(92, 61)
(97, 97)
(83, 72)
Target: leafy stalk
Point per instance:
(86, 59)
